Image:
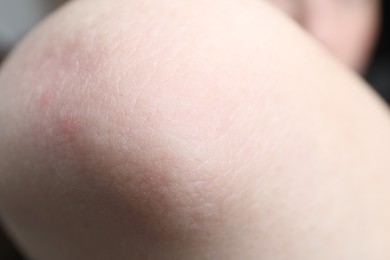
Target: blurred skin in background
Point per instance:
(348, 28)
(196, 129)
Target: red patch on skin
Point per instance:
(68, 129)
(69, 137)
(45, 98)
(60, 137)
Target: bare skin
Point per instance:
(135, 130)
(347, 28)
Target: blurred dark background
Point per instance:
(378, 75)
(7, 250)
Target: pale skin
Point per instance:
(347, 28)
(136, 129)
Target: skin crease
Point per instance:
(348, 28)
(135, 130)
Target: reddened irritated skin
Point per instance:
(189, 130)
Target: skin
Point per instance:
(135, 130)
(347, 28)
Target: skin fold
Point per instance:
(136, 129)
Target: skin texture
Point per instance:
(135, 130)
(348, 28)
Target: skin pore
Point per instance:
(133, 129)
